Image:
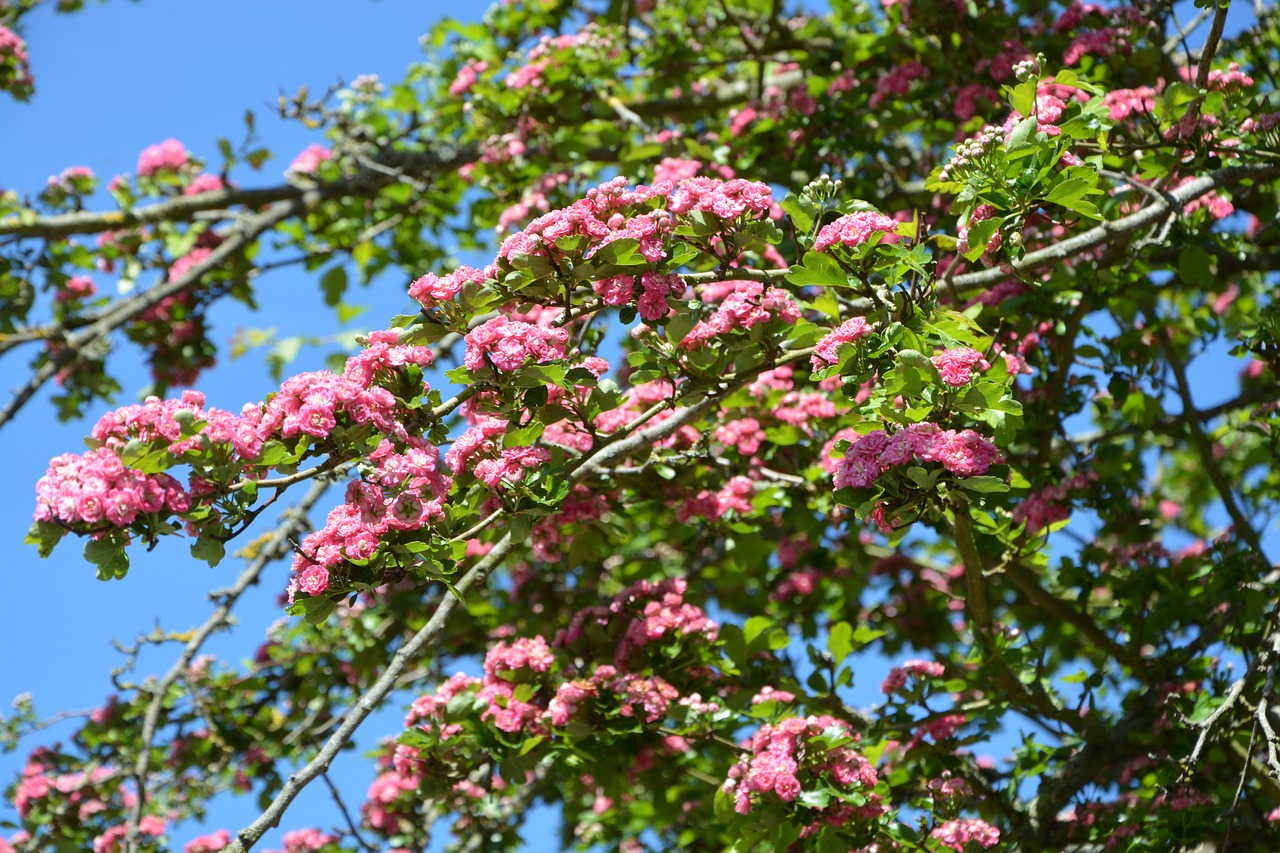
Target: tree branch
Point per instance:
(295, 521)
(1099, 234)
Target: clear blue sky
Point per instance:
(110, 81)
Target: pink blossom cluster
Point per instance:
(896, 82)
(592, 39)
(210, 843)
(34, 785)
(673, 170)
(95, 490)
(979, 213)
(856, 229)
(167, 156)
(467, 76)
(727, 200)
(608, 213)
(479, 450)
(802, 408)
(654, 290)
(432, 291)
(826, 353)
(748, 304)
(643, 613)
(967, 98)
(204, 183)
(780, 761)
(309, 159)
(964, 453)
(1218, 206)
(112, 841)
(1232, 78)
(305, 841)
(582, 505)
(75, 288)
(734, 496)
(405, 491)
(956, 365)
(1102, 42)
(770, 694)
(507, 345)
(897, 677)
(1042, 508)
(13, 52)
(639, 400)
(959, 833)
(1122, 103)
(742, 434)
(71, 181)
(311, 403)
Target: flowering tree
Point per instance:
(791, 348)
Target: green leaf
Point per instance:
(44, 535)
(840, 640)
(334, 284)
(984, 485)
(818, 269)
(208, 549)
(109, 556)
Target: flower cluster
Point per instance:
(653, 291)
(897, 677)
(168, 156)
(826, 353)
(15, 69)
(964, 453)
(971, 153)
(479, 451)
(956, 365)
(309, 159)
(405, 491)
(748, 304)
(856, 229)
(434, 291)
(507, 345)
(959, 833)
(781, 762)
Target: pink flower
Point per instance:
(506, 345)
(168, 156)
(856, 229)
(204, 184)
(825, 353)
(958, 833)
(309, 159)
(956, 365)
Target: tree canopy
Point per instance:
(751, 345)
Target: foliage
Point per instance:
(808, 340)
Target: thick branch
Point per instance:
(440, 158)
(1099, 234)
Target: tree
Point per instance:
(905, 375)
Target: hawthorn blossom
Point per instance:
(960, 832)
(507, 345)
(167, 156)
(956, 365)
(309, 159)
(856, 229)
(825, 353)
